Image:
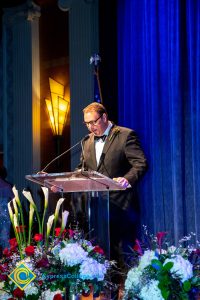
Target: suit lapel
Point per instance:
(92, 153)
(112, 135)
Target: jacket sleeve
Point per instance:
(136, 158)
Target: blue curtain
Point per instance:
(159, 97)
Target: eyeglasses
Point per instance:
(92, 123)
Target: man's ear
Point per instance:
(105, 117)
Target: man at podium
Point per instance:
(115, 152)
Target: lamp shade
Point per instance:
(57, 107)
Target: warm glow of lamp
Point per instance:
(57, 107)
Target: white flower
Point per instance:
(65, 215)
(146, 259)
(133, 278)
(72, 254)
(91, 269)
(31, 290)
(1, 285)
(172, 249)
(48, 295)
(181, 267)
(4, 295)
(151, 291)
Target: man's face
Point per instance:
(95, 122)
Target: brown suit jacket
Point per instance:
(122, 156)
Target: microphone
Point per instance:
(57, 157)
(82, 152)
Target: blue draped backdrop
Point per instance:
(159, 97)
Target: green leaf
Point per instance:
(186, 285)
(165, 293)
(168, 266)
(156, 264)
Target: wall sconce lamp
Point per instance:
(57, 107)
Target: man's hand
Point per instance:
(123, 181)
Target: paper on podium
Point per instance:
(77, 181)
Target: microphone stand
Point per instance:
(59, 156)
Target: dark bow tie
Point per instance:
(102, 137)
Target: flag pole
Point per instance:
(95, 60)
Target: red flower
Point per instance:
(4, 267)
(40, 282)
(7, 252)
(29, 250)
(137, 247)
(70, 232)
(18, 293)
(57, 231)
(3, 277)
(20, 228)
(38, 237)
(57, 297)
(98, 249)
(13, 244)
(160, 236)
(42, 263)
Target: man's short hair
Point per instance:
(95, 107)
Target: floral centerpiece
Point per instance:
(51, 262)
(162, 271)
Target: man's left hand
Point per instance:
(123, 181)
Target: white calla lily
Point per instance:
(65, 215)
(28, 196)
(46, 196)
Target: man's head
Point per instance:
(95, 118)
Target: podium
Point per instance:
(97, 188)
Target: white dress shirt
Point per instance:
(100, 143)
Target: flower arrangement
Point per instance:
(162, 271)
(60, 260)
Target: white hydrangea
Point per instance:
(91, 269)
(72, 254)
(31, 289)
(151, 291)
(5, 296)
(146, 259)
(133, 278)
(1, 286)
(49, 295)
(171, 249)
(181, 267)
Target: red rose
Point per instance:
(29, 250)
(7, 252)
(13, 244)
(38, 237)
(40, 282)
(57, 297)
(98, 249)
(18, 293)
(58, 230)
